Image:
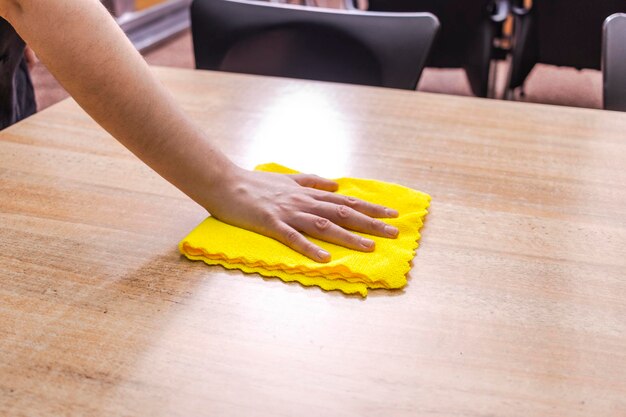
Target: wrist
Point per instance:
(223, 177)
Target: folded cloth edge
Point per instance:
(331, 280)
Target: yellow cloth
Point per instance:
(350, 271)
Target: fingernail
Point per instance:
(392, 213)
(367, 243)
(323, 255)
(391, 231)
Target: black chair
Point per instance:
(17, 97)
(614, 62)
(379, 49)
(558, 32)
(469, 29)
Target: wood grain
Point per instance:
(515, 304)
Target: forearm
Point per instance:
(85, 50)
(90, 56)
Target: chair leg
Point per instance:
(491, 85)
(514, 94)
(509, 93)
(335, 4)
(355, 4)
(349, 5)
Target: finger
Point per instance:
(313, 181)
(324, 229)
(367, 208)
(349, 218)
(31, 58)
(296, 241)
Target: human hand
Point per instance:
(31, 57)
(286, 206)
(137, 110)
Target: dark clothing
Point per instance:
(17, 97)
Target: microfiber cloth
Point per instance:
(350, 271)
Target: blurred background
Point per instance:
(160, 30)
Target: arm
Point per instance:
(115, 86)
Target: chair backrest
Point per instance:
(559, 32)
(569, 32)
(614, 62)
(466, 38)
(462, 22)
(380, 49)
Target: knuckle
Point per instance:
(373, 207)
(351, 201)
(267, 216)
(269, 219)
(292, 236)
(309, 247)
(291, 204)
(316, 207)
(309, 178)
(322, 224)
(354, 240)
(298, 200)
(307, 181)
(343, 211)
(376, 224)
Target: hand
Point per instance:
(137, 110)
(285, 206)
(31, 58)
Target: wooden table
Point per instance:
(516, 304)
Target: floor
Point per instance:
(546, 84)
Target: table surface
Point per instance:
(516, 303)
